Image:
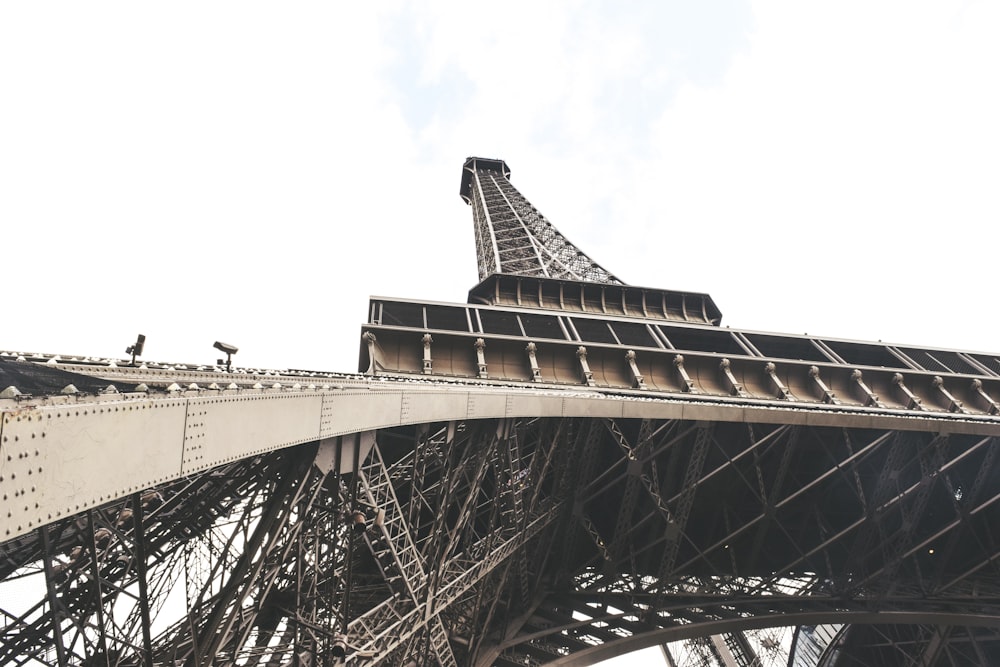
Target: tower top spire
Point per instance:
(474, 164)
(512, 237)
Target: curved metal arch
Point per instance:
(690, 631)
(392, 404)
(187, 432)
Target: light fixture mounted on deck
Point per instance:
(229, 350)
(136, 349)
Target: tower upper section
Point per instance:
(512, 237)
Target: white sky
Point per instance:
(252, 172)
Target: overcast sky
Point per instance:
(252, 172)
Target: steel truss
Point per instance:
(530, 541)
(512, 237)
(695, 529)
(736, 498)
(260, 562)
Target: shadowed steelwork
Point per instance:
(564, 469)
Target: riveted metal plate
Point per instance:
(522, 406)
(352, 411)
(63, 459)
(484, 406)
(226, 428)
(579, 406)
(424, 406)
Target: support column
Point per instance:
(428, 364)
(588, 375)
(374, 364)
(687, 384)
(139, 552)
(954, 405)
(992, 406)
(772, 372)
(912, 401)
(536, 372)
(95, 575)
(735, 388)
(637, 380)
(55, 605)
(480, 345)
(871, 398)
(828, 396)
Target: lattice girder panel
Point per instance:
(470, 540)
(527, 488)
(512, 237)
(781, 519)
(131, 556)
(753, 520)
(917, 645)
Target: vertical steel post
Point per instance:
(345, 614)
(96, 574)
(139, 552)
(54, 604)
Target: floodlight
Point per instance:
(358, 521)
(339, 647)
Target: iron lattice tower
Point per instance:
(562, 469)
(512, 237)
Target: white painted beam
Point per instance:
(62, 455)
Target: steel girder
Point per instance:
(530, 541)
(793, 514)
(258, 562)
(783, 522)
(705, 501)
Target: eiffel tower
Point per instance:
(563, 469)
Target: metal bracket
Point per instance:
(871, 398)
(374, 352)
(637, 380)
(771, 370)
(428, 364)
(735, 388)
(480, 345)
(977, 387)
(687, 384)
(912, 402)
(828, 395)
(954, 405)
(588, 375)
(536, 372)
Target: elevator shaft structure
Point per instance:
(562, 469)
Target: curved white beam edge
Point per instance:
(62, 455)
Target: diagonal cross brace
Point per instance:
(377, 487)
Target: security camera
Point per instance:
(226, 347)
(229, 350)
(136, 349)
